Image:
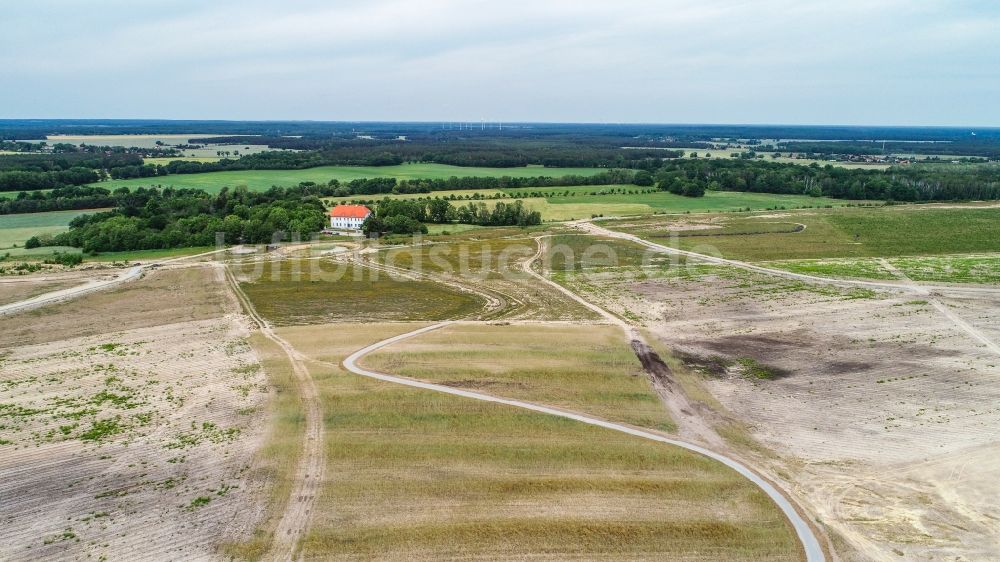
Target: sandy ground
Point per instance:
(19, 290)
(160, 297)
(14, 288)
(124, 437)
(883, 411)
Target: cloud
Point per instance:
(849, 61)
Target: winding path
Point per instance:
(810, 544)
(308, 475)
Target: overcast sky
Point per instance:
(893, 62)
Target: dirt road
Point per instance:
(592, 228)
(295, 519)
(903, 285)
(129, 274)
(682, 411)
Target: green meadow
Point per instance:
(906, 230)
(585, 201)
(264, 179)
(15, 229)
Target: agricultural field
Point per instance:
(906, 230)
(15, 229)
(595, 370)
(207, 152)
(414, 473)
(137, 141)
(165, 161)
(264, 179)
(581, 202)
(784, 159)
(493, 264)
(305, 291)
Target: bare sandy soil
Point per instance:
(882, 411)
(160, 297)
(15, 290)
(129, 427)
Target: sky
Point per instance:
(838, 62)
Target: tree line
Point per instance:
(75, 197)
(908, 184)
(33, 171)
(61, 199)
(375, 186)
(397, 216)
(147, 219)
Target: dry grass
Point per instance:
(905, 230)
(588, 369)
(414, 474)
(494, 264)
(327, 292)
(160, 297)
(275, 462)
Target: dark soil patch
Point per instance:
(653, 364)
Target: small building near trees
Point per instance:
(348, 217)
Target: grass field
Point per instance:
(13, 194)
(491, 259)
(138, 141)
(578, 207)
(578, 202)
(768, 157)
(293, 292)
(582, 252)
(433, 229)
(165, 161)
(911, 230)
(410, 196)
(588, 369)
(414, 474)
(15, 229)
(263, 179)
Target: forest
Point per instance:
(396, 216)
(906, 184)
(631, 154)
(74, 197)
(175, 218)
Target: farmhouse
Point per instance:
(348, 217)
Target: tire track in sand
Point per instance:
(308, 475)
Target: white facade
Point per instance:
(346, 223)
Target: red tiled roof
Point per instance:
(350, 211)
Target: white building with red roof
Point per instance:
(348, 217)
